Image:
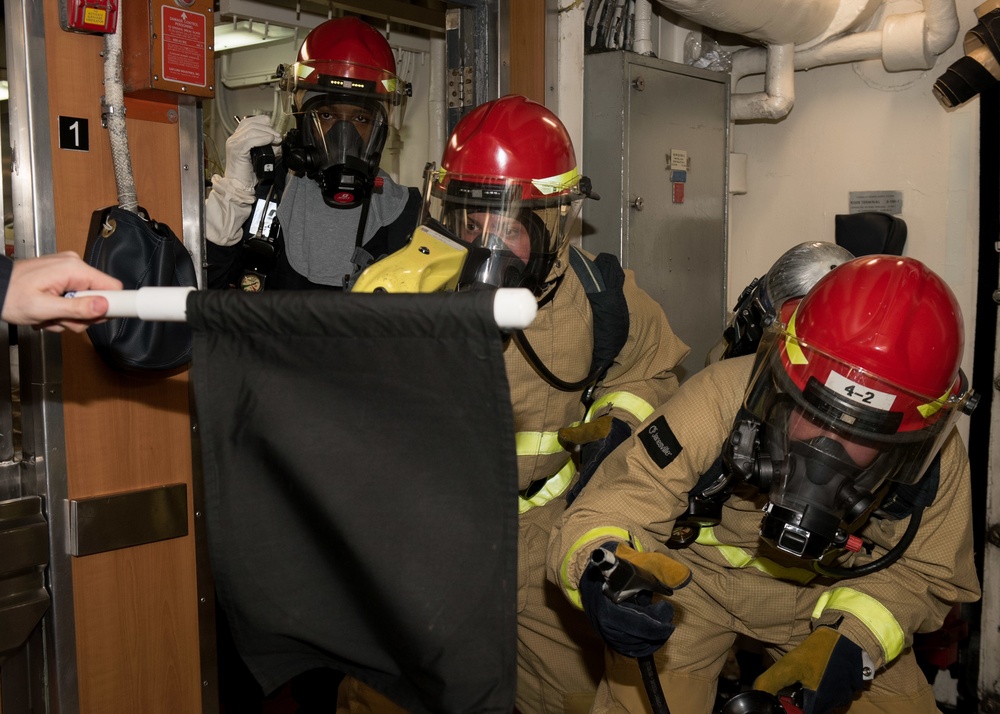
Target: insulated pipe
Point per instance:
(642, 43)
(769, 21)
(114, 99)
(910, 41)
(437, 104)
(779, 88)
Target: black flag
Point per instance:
(361, 489)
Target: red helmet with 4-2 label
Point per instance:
(885, 334)
(857, 385)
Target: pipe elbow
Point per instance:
(760, 105)
(746, 62)
(941, 26)
(914, 40)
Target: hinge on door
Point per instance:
(460, 88)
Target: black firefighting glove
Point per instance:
(597, 439)
(827, 665)
(640, 625)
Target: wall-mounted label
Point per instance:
(881, 201)
(677, 160)
(678, 176)
(74, 134)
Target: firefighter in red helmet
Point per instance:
(845, 525)
(598, 358)
(311, 209)
(509, 187)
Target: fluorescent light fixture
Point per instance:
(4, 92)
(248, 33)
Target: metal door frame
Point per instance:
(52, 651)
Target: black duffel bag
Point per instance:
(141, 253)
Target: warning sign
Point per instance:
(185, 46)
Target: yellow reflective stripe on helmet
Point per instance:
(739, 558)
(873, 615)
(537, 443)
(551, 489)
(792, 349)
(390, 84)
(932, 408)
(601, 534)
(636, 406)
(557, 183)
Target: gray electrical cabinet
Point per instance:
(656, 147)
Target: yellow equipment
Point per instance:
(430, 262)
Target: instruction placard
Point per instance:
(880, 201)
(185, 43)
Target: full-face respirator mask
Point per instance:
(338, 144)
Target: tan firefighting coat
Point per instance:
(562, 335)
(554, 642)
(632, 498)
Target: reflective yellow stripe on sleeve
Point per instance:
(873, 615)
(550, 489)
(543, 443)
(537, 443)
(739, 558)
(636, 406)
(601, 534)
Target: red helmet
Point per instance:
(343, 93)
(885, 327)
(509, 168)
(872, 353)
(858, 385)
(514, 138)
(345, 49)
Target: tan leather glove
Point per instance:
(668, 571)
(829, 667)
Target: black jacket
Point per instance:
(228, 265)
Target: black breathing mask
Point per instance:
(815, 490)
(346, 180)
(813, 487)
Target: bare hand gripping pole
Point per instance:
(513, 308)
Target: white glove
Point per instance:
(229, 204)
(252, 131)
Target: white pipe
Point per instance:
(572, 42)
(642, 43)
(942, 24)
(513, 308)
(778, 96)
(769, 21)
(905, 42)
(163, 304)
(437, 101)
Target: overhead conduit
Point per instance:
(799, 35)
